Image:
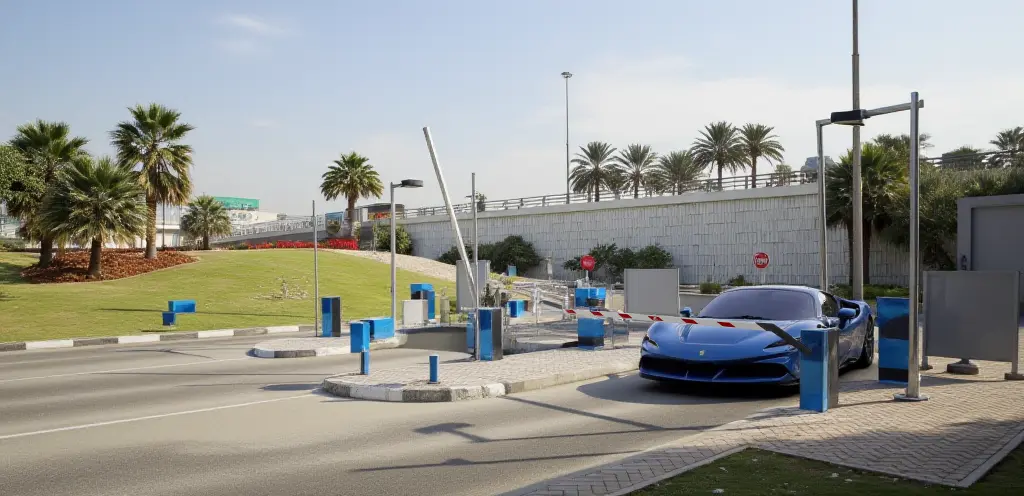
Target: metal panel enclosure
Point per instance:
(651, 291)
(972, 314)
(463, 291)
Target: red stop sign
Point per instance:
(761, 260)
(587, 262)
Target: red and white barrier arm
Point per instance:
(737, 324)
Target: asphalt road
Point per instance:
(203, 418)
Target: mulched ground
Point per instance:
(116, 264)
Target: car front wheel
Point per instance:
(867, 353)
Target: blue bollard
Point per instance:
(433, 368)
(590, 333)
(819, 370)
(170, 318)
(359, 336)
(893, 340)
(364, 362)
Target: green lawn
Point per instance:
(756, 472)
(227, 287)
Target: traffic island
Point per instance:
(470, 380)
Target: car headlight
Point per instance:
(647, 339)
(780, 342)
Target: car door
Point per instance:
(830, 311)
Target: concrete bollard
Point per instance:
(364, 362)
(819, 370)
(433, 368)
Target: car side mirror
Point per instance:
(686, 312)
(847, 313)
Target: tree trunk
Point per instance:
(351, 214)
(597, 193)
(94, 258)
(636, 189)
(206, 242)
(719, 177)
(45, 252)
(753, 172)
(151, 227)
(867, 253)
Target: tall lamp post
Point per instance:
(405, 183)
(857, 279)
(566, 75)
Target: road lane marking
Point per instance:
(150, 417)
(72, 374)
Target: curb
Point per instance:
(419, 394)
(151, 338)
(381, 344)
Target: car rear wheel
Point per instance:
(867, 352)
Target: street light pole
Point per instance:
(394, 272)
(857, 257)
(566, 75)
(822, 214)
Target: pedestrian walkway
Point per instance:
(968, 424)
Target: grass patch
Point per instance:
(754, 472)
(232, 289)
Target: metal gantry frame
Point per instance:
(856, 118)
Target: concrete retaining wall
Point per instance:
(708, 234)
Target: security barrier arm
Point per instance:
(736, 324)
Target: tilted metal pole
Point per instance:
(460, 245)
(822, 214)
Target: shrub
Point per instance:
(873, 291)
(709, 287)
(616, 260)
(514, 250)
(12, 245)
(739, 281)
(340, 244)
(382, 238)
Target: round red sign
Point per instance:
(587, 262)
(761, 260)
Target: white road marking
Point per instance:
(149, 417)
(122, 370)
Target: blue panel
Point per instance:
(893, 318)
(181, 306)
(486, 333)
(381, 327)
(470, 333)
(814, 371)
(511, 270)
(581, 295)
(433, 369)
(420, 286)
(359, 332)
(516, 308)
(894, 354)
(590, 333)
(170, 318)
(326, 317)
(599, 293)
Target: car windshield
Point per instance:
(761, 304)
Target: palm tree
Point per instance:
(719, 146)
(677, 171)
(783, 174)
(756, 141)
(152, 141)
(206, 217)
(594, 169)
(49, 148)
(351, 177)
(95, 202)
(884, 184)
(1010, 141)
(636, 163)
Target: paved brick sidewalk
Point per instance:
(467, 379)
(964, 429)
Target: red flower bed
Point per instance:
(332, 243)
(73, 266)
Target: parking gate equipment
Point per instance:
(590, 334)
(893, 340)
(819, 367)
(330, 311)
(433, 368)
(425, 291)
(359, 336)
(170, 318)
(364, 362)
(381, 327)
(181, 306)
(490, 333)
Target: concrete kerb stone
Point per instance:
(442, 394)
(308, 347)
(150, 338)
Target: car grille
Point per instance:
(712, 371)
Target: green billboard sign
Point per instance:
(232, 203)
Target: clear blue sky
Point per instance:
(278, 89)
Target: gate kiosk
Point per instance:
(819, 365)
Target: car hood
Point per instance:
(666, 332)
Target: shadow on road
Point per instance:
(462, 462)
(634, 389)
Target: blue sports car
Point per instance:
(700, 353)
